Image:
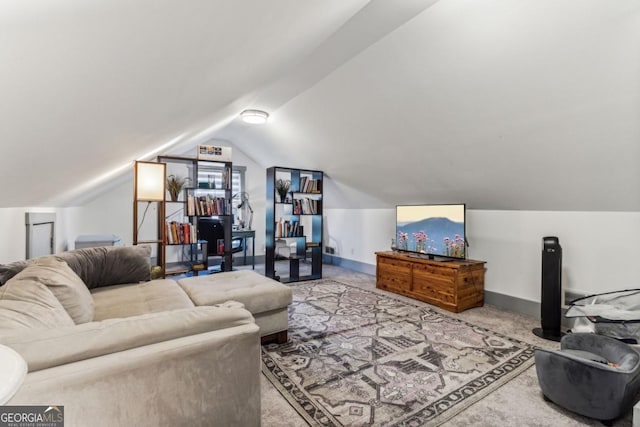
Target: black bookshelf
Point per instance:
(294, 221)
(184, 212)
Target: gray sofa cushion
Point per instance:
(21, 315)
(28, 303)
(110, 265)
(258, 293)
(138, 298)
(7, 271)
(102, 266)
(67, 287)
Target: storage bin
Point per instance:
(96, 240)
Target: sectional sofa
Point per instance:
(116, 348)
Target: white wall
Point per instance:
(67, 227)
(111, 213)
(255, 181)
(357, 233)
(599, 251)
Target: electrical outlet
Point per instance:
(330, 250)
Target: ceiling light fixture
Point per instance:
(257, 117)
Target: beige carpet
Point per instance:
(518, 403)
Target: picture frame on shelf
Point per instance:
(214, 153)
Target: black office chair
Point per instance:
(212, 230)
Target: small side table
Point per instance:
(244, 234)
(13, 369)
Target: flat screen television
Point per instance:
(432, 230)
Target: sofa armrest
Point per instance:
(45, 348)
(196, 380)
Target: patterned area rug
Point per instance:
(359, 358)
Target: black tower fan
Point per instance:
(550, 311)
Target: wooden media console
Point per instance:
(454, 285)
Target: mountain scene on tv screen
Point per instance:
(437, 229)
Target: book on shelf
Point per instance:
(207, 205)
(177, 233)
(305, 206)
(308, 185)
(186, 233)
(288, 228)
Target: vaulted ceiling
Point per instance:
(533, 104)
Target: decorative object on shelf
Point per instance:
(245, 209)
(212, 181)
(149, 181)
(175, 184)
(255, 117)
(214, 153)
(282, 187)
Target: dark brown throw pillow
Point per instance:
(7, 271)
(101, 266)
(110, 265)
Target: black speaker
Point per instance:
(551, 304)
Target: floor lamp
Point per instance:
(149, 185)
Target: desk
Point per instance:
(244, 234)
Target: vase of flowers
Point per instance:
(403, 239)
(175, 184)
(282, 188)
(454, 247)
(421, 239)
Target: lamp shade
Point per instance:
(254, 116)
(150, 181)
